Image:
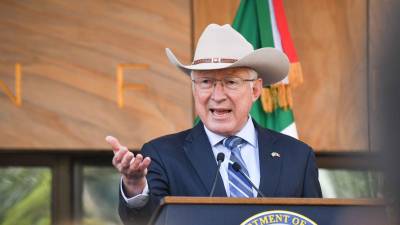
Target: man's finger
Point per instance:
(125, 162)
(145, 163)
(135, 164)
(115, 145)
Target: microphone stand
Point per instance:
(220, 159)
(236, 166)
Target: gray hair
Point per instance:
(253, 74)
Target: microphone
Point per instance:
(220, 159)
(236, 166)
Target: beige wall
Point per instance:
(331, 106)
(69, 52)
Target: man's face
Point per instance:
(222, 110)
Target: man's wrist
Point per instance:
(133, 187)
(137, 201)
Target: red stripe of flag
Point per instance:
(286, 39)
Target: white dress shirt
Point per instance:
(249, 153)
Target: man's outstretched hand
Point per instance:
(133, 169)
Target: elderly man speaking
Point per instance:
(228, 76)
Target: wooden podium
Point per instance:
(232, 211)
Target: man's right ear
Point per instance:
(257, 88)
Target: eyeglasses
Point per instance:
(231, 83)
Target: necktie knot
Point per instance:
(233, 142)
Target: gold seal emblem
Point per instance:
(278, 217)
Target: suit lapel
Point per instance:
(199, 152)
(270, 167)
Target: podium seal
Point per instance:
(278, 217)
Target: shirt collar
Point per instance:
(248, 133)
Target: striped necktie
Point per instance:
(238, 184)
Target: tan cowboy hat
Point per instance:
(221, 47)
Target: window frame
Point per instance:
(67, 172)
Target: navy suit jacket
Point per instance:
(183, 164)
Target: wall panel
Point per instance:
(384, 35)
(331, 40)
(69, 51)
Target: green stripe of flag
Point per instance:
(253, 21)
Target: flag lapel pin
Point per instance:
(275, 154)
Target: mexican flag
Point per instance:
(263, 23)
